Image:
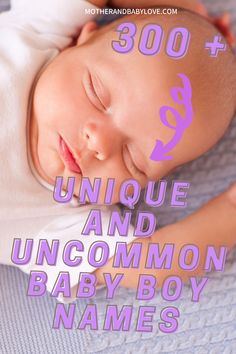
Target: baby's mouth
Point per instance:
(68, 157)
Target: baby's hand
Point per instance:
(213, 224)
(98, 3)
(223, 25)
(231, 193)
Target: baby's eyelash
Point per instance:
(93, 91)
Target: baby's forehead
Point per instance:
(180, 17)
(156, 30)
(146, 40)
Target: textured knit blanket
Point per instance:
(208, 326)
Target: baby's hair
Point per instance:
(225, 71)
(229, 54)
(213, 78)
(226, 76)
(223, 67)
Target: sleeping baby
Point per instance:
(72, 106)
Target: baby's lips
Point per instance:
(68, 157)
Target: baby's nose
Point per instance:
(98, 140)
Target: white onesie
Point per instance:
(33, 33)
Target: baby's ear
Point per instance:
(86, 32)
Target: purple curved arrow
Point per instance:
(160, 150)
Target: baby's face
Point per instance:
(96, 114)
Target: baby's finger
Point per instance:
(231, 193)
